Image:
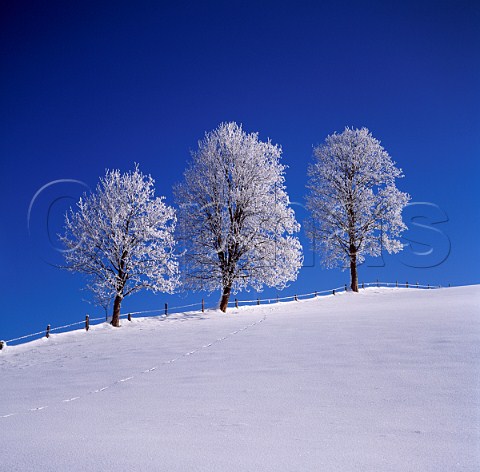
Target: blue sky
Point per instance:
(103, 85)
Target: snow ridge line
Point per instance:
(147, 371)
(253, 301)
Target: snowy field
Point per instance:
(384, 380)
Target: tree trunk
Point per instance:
(116, 311)
(353, 269)
(225, 298)
(353, 272)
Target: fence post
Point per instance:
(166, 309)
(396, 283)
(333, 291)
(406, 285)
(203, 305)
(236, 303)
(87, 323)
(346, 290)
(129, 317)
(417, 284)
(363, 284)
(47, 334)
(277, 297)
(258, 301)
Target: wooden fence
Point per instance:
(201, 307)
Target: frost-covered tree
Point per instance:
(234, 217)
(355, 206)
(122, 238)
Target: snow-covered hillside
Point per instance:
(384, 380)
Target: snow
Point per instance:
(383, 380)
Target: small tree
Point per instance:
(355, 206)
(235, 219)
(121, 237)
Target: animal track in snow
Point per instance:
(189, 353)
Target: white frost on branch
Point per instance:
(234, 219)
(122, 238)
(355, 206)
